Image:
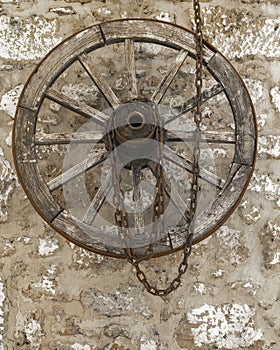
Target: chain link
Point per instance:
(183, 266)
(121, 216)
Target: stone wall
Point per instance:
(54, 295)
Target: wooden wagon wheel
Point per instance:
(41, 90)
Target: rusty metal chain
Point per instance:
(197, 112)
(121, 216)
(158, 208)
(183, 266)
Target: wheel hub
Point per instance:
(132, 126)
(134, 121)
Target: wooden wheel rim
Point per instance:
(61, 57)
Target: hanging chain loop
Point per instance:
(121, 216)
(183, 266)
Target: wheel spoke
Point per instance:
(206, 136)
(91, 161)
(136, 175)
(190, 104)
(77, 107)
(204, 174)
(175, 197)
(130, 65)
(177, 200)
(98, 200)
(66, 138)
(100, 82)
(169, 76)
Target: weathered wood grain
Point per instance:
(27, 166)
(91, 161)
(152, 31)
(76, 106)
(222, 207)
(173, 194)
(169, 76)
(206, 136)
(100, 82)
(242, 108)
(225, 203)
(83, 235)
(185, 164)
(66, 138)
(177, 200)
(189, 105)
(98, 201)
(130, 66)
(56, 62)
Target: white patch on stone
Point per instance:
(226, 326)
(33, 330)
(252, 36)
(9, 100)
(26, 240)
(165, 16)
(124, 14)
(9, 139)
(8, 249)
(47, 246)
(274, 229)
(63, 10)
(265, 185)
(30, 327)
(270, 145)
(275, 96)
(219, 153)
(261, 120)
(244, 203)
(252, 287)
(46, 284)
(28, 39)
(248, 285)
(10, 1)
(83, 257)
(218, 273)
(206, 113)
(200, 288)
(72, 245)
(276, 259)
(55, 107)
(104, 12)
(2, 298)
(148, 345)
(78, 346)
(8, 182)
(230, 239)
(255, 88)
(253, 216)
(52, 270)
(80, 92)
